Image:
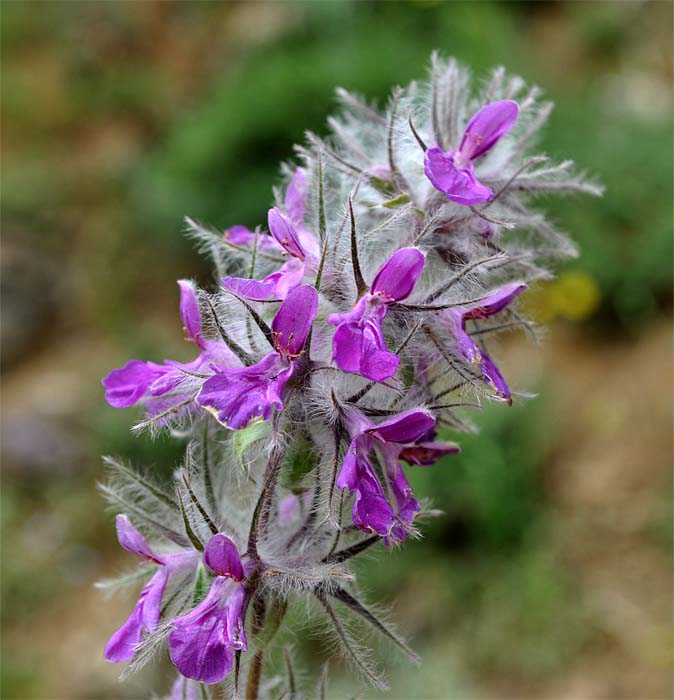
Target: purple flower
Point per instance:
(165, 386)
(291, 237)
(145, 615)
(374, 455)
(239, 395)
(456, 319)
(202, 640)
(244, 238)
(451, 172)
(296, 197)
(291, 507)
(358, 343)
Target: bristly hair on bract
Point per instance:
(339, 343)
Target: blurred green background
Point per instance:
(550, 575)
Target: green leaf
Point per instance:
(244, 439)
(396, 201)
(300, 461)
(196, 542)
(385, 186)
(200, 586)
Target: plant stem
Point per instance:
(254, 676)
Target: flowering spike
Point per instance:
(273, 405)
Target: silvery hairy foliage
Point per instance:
(349, 337)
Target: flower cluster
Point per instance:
(338, 346)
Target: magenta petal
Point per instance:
(346, 346)
(406, 506)
(496, 301)
(487, 126)
(222, 556)
(199, 644)
(189, 309)
(284, 232)
(239, 395)
(239, 235)
(293, 320)
(425, 454)
(121, 645)
(289, 509)
(458, 184)
(494, 378)
(127, 385)
(242, 237)
(296, 196)
(360, 348)
(398, 275)
(133, 541)
(348, 474)
(236, 604)
(145, 615)
(286, 278)
(376, 362)
(247, 288)
(404, 427)
(371, 511)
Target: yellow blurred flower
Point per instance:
(574, 296)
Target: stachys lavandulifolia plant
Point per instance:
(335, 349)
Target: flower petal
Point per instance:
(371, 511)
(348, 474)
(189, 310)
(458, 184)
(239, 395)
(289, 509)
(360, 347)
(222, 556)
(133, 541)
(487, 126)
(398, 275)
(404, 427)
(145, 615)
(199, 645)
(496, 301)
(376, 362)
(242, 237)
(424, 454)
(493, 377)
(239, 235)
(293, 320)
(284, 232)
(236, 634)
(295, 197)
(126, 385)
(346, 346)
(248, 289)
(286, 278)
(406, 507)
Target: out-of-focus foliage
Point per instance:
(121, 118)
